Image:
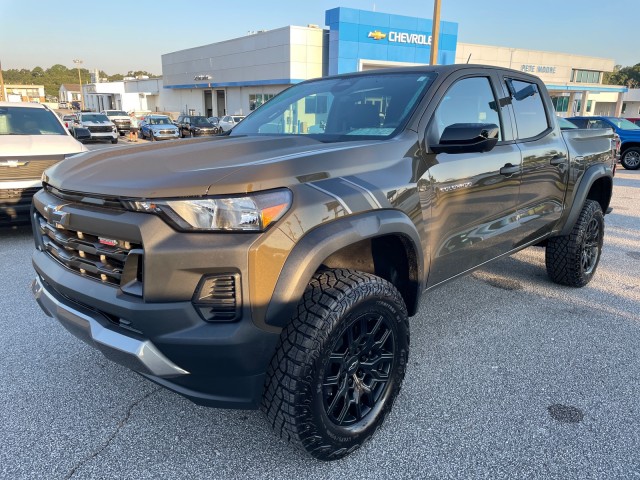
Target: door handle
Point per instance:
(558, 160)
(509, 169)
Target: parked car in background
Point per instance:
(634, 120)
(99, 126)
(628, 132)
(120, 119)
(68, 120)
(215, 121)
(158, 127)
(565, 124)
(195, 126)
(229, 121)
(32, 138)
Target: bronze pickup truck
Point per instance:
(276, 266)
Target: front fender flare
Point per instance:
(324, 240)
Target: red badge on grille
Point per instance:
(108, 241)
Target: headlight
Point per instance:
(253, 212)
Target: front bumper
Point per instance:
(91, 327)
(159, 333)
(165, 136)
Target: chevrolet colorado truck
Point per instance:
(276, 266)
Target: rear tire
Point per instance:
(631, 158)
(573, 259)
(339, 364)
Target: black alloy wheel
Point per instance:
(357, 373)
(590, 246)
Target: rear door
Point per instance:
(545, 161)
(473, 204)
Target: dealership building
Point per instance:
(235, 76)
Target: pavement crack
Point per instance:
(121, 423)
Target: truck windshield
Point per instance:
(29, 121)
(624, 124)
(341, 108)
(117, 113)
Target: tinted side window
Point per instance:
(531, 118)
(469, 100)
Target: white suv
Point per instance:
(32, 138)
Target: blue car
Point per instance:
(158, 127)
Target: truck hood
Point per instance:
(200, 167)
(33, 145)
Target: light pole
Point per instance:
(435, 33)
(78, 63)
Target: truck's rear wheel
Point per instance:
(339, 363)
(631, 158)
(573, 259)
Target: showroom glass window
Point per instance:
(531, 116)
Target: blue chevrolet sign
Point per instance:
(358, 37)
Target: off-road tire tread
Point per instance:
(328, 296)
(562, 255)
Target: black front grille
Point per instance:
(100, 129)
(112, 261)
(166, 132)
(122, 122)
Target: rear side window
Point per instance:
(531, 117)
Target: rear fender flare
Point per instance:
(592, 174)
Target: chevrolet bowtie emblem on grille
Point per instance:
(56, 216)
(13, 163)
(377, 35)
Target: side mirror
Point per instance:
(467, 138)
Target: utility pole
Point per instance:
(435, 33)
(78, 63)
(2, 99)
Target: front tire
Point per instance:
(573, 259)
(114, 140)
(631, 158)
(339, 364)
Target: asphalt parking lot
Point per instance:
(510, 376)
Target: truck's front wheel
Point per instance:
(339, 363)
(572, 259)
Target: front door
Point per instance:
(473, 204)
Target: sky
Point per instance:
(119, 35)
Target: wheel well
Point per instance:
(627, 145)
(391, 257)
(600, 191)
